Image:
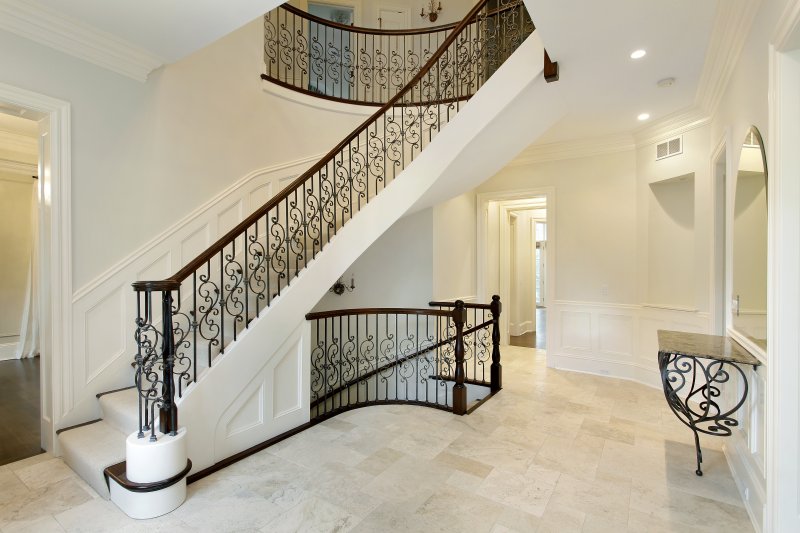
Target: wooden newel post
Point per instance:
(497, 368)
(168, 411)
(459, 389)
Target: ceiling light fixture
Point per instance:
(638, 54)
(643, 116)
(666, 82)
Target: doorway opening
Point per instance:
(516, 261)
(20, 376)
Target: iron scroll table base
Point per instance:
(693, 369)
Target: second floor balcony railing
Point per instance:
(370, 66)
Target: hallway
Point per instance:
(554, 451)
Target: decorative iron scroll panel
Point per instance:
(216, 296)
(368, 358)
(692, 387)
(369, 66)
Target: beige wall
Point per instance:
(15, 241)
(595, 222)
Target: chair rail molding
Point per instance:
(103, 308)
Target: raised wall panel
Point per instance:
(250, 414)
(194, 244)
(159, 269)
(614, 335)
(286, 382)
(576, 330)
(260, 195)
(105, 332)
(228, 218)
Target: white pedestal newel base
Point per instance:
(144, 505)
(154, 481)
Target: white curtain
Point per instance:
(28, 345)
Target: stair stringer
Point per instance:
(247, 368)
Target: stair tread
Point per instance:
(89, 449)
(121, 410)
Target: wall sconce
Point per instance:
(339, 287)
(433, 11)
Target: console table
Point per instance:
(693, 367)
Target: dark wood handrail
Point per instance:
(229, 237)
(466, 305)
(363, 29)
(396, 362)
(377, 311)
(378, 31)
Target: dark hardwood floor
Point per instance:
(19, 410)
(534, 339)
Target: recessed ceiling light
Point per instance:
(638, 54)
(643, 116)
(666, 82)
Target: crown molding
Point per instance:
(732, 25)
(50, 28)
(539, 153)
(8, 166)
(671, 125)
(20, 144)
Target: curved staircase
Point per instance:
(233, 366)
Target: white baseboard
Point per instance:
(8, 351)
(751, 484)
(605, 368)
(522, 328)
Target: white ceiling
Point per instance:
(605, 89)
(169, 29)
(592, 40)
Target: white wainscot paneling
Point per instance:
(270, 403)
(104, 333)
(250, 413)
(194, 243)
(231, 216)
(615, 335)
(576, 330)
(158, 268)
(104, 310)
(287, 381)
(615, 340)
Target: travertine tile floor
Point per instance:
(554, 451)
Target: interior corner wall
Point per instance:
(144, 155)
(745, 103)
(454, 244)
(395, 271)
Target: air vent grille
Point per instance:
(669, 148)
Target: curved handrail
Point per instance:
(355, 65)
(371, 356)
(175, 280)
(213, 298)
(363, 29)
(376, 311)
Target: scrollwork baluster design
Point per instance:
(216, 296)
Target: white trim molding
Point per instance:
(70, 36)
(539, 153)
(18, 167)
(731, 28)
(56, 252)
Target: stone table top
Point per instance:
(706, 346)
